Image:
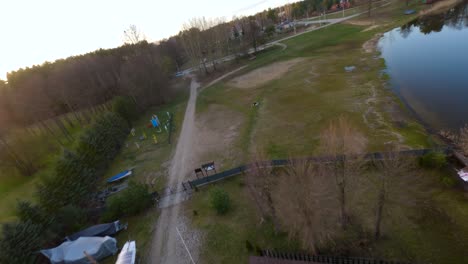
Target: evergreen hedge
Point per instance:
(76, 173)
(63, 195)
(131, 201)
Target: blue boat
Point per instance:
(119, 176)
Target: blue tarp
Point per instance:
(101, 230)
(120, 176)
(409, 12)
(154, 122)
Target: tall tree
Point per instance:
(303, 200)
(343, 144)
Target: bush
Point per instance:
(71, 183)
(448, 181)
(220, 201)
(433, 160)
(19, 241)
(124, 107)
(76, 172)
(130, 201)
(68, 220)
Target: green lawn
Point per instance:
(226, 235)
(13, 185)
(296, 106)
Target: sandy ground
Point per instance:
(215, 135)
(371, 28)
(371, 45)
(224, 76)
(360, 22)
(263, 75)
(440, 7)
(170, 244)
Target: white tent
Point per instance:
(72, 252)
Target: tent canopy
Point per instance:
(97, 230)
(72, 252)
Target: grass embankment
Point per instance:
(42, 149)
(294, 108)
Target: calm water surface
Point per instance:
(427, 60)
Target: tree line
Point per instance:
(137, 69)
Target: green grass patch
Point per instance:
(226, 235)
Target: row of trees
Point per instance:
(53, 100)
(84, 82)
(66, 195)
(137, 69)
(204, 40)
(319, 203)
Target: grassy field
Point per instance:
(432, 231)
(294, 107)
(13, 185)
(226, 235)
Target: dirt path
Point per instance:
(169, 244)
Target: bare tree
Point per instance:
(260, 183)
(305, 204)
(396, 180)
(133, 35)
(343, 144)
(193, 40)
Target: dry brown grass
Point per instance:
(265, 74)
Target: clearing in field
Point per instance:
(265, 74)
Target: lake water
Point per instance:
(427, 61)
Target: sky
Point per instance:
(35, 31)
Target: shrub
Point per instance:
(130, 201)
(28, 212)
(76, 172)
(220, 201)
(69, 219)
(124, 107)
(448, 181)
(249, 246)
(71, 183)
(433, 160)
(19, 241)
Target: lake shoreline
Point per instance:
(431, 119)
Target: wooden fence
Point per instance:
(273, 254)
(323, 159)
